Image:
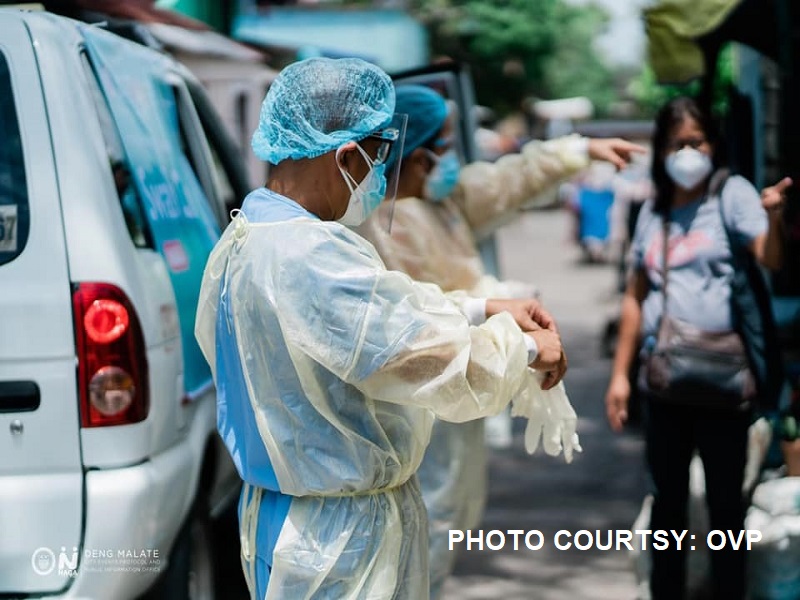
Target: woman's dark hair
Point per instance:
(671, 115)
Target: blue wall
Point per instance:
(390, 38)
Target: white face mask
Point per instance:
(688, 167)
(365, 196)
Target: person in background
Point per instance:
(699, 268)
(330, 368)
(491, 144)
(439, 205)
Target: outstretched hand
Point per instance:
(614, 150)
(774, 197)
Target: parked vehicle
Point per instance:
(110, 201)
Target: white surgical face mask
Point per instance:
(688, 167)
(365, 196)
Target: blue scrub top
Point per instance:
(235, 419)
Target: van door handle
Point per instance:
(19, 396)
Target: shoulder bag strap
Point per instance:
(664, 269)
(716, 188)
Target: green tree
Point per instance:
(576, 68)
(518, 48)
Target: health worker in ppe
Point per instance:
(330, 368)
(431, 239)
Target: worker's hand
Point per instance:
(550, 357)
(773, 198)
(563, 365)
(529, 314)
(617, 396)
(614, 150)
(537, 322)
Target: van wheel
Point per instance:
(190, 575)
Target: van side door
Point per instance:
(41, 475)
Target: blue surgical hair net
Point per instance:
(316, 105)
(427, 113)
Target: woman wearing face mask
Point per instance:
(439, 205)
(699, 272)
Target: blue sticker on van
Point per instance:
(184, 229)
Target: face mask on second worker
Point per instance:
(442, 179)
(365, 196)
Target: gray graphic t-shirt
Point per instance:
(700, 259)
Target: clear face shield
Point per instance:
(391, 154)
(454, 140)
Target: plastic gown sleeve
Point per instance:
(429, 242)
(550, 417)
(433, 242)
(394, 339)
(491, 287)
(489, 193)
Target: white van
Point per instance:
(110, 464)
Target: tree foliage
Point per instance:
(520, 48)
(576, 68)
(650, 95)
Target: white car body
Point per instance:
(68, 491)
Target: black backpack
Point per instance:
(753, 319)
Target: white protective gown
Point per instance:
(434, 242)
(330, 370)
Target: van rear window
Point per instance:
(14, 211)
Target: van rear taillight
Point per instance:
(112, 368)
(106, 321)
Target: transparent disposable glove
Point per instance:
(550, 417)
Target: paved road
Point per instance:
(603, 488)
